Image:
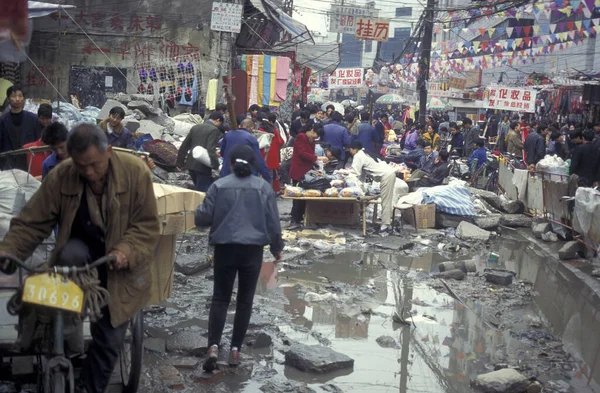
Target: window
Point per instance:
(368, 46)
(402, 32)
(404, 11)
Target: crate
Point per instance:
(425, 216)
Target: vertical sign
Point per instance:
(226, 17)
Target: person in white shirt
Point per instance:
(363, 164)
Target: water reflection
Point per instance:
(451, 343)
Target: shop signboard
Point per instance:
(226, 17)
(439, 89)
(346, 77)
(510, 99)
(342, 19)
(372, 29)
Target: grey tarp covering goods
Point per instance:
(37, 9)
(273, 10)
(319, 57)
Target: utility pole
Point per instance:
(425, 60)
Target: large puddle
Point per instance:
(450, 342)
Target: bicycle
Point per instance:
(51, 288)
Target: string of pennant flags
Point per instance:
(548, 9)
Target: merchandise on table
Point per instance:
(352, 192)
(293, 191)
(312, 193)
(332, 192)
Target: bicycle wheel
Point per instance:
(131, 354)
(492, 183)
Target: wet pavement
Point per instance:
(544, 324)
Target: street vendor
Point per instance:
(364, 164)
(103, 203)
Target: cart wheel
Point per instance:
(131, 354)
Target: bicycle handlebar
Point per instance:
(59, 269)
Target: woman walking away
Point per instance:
(242, 212)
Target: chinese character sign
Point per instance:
(439, 89)
(342, 19)
(372, 29)
(457, 83)
(346, 77)
(226, 17)
(511, 99)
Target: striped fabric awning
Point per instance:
(451, 200)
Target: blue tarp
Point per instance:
(450, 200)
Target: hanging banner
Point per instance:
(342, 19)
(510, 99)
(346, 77)
(372, 29)
(226, 17)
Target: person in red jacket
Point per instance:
(303, 159)
(273, 156)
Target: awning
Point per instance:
(37, 9)
(319, 57)
(272, 9)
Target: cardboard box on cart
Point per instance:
(425, 215)
(176, 208)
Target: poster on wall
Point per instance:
(346, 77)
(510, 99)
(226, 17)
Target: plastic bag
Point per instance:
(352, 192)
(338, 183)
(293, 191)
(331, 192)
(312, 193)
(200, 154)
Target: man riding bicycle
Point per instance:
(103, 202)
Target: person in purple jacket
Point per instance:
(411, 138)
(336, 134)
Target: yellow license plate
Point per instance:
(53, 290)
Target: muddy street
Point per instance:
(345, 314)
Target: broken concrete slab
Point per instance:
(550, 237)
(142, 97)
(286, 387)
(186, 363)
(468, 231)
(131, 124)
(163, 120)
(534, 387)
(171, 378)
(146, 108)
(150, 127)
(516, 221)
(444, 220)
(139, 114)
(513, 207)
(191, 264)
(506, 380)
(189, 342)
(317, 359)
(122, 98)
(499, 277)
(490, 221)
(155, 344)
(108, 105)
(540, 229)
(455, 274)
(386, 342)
(570, 250)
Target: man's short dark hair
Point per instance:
(336, 152)
(45, 111)
(514, 125)
(384, 116)
(54, 134)
(453, 125)
(443, 155)
(480, 142)
(253, 108)
(467, 121)
(216, 115)
(446, 118)
(555, 135)
(117, 111)
(336, 116)
(332, 107)
(14, 89)
(312, 109)
(576, 134)
(305, 115)
(221, 108)
(272, 117)
(365, 116)
(85, 136)
(588, 135)
(356, 145)
(319, 129)
(426, 144)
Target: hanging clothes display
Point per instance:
(266, 81)
(281, 75)
(190, 93)
(261, 77)
(211, 94)
(273, 81)
(253, 85)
